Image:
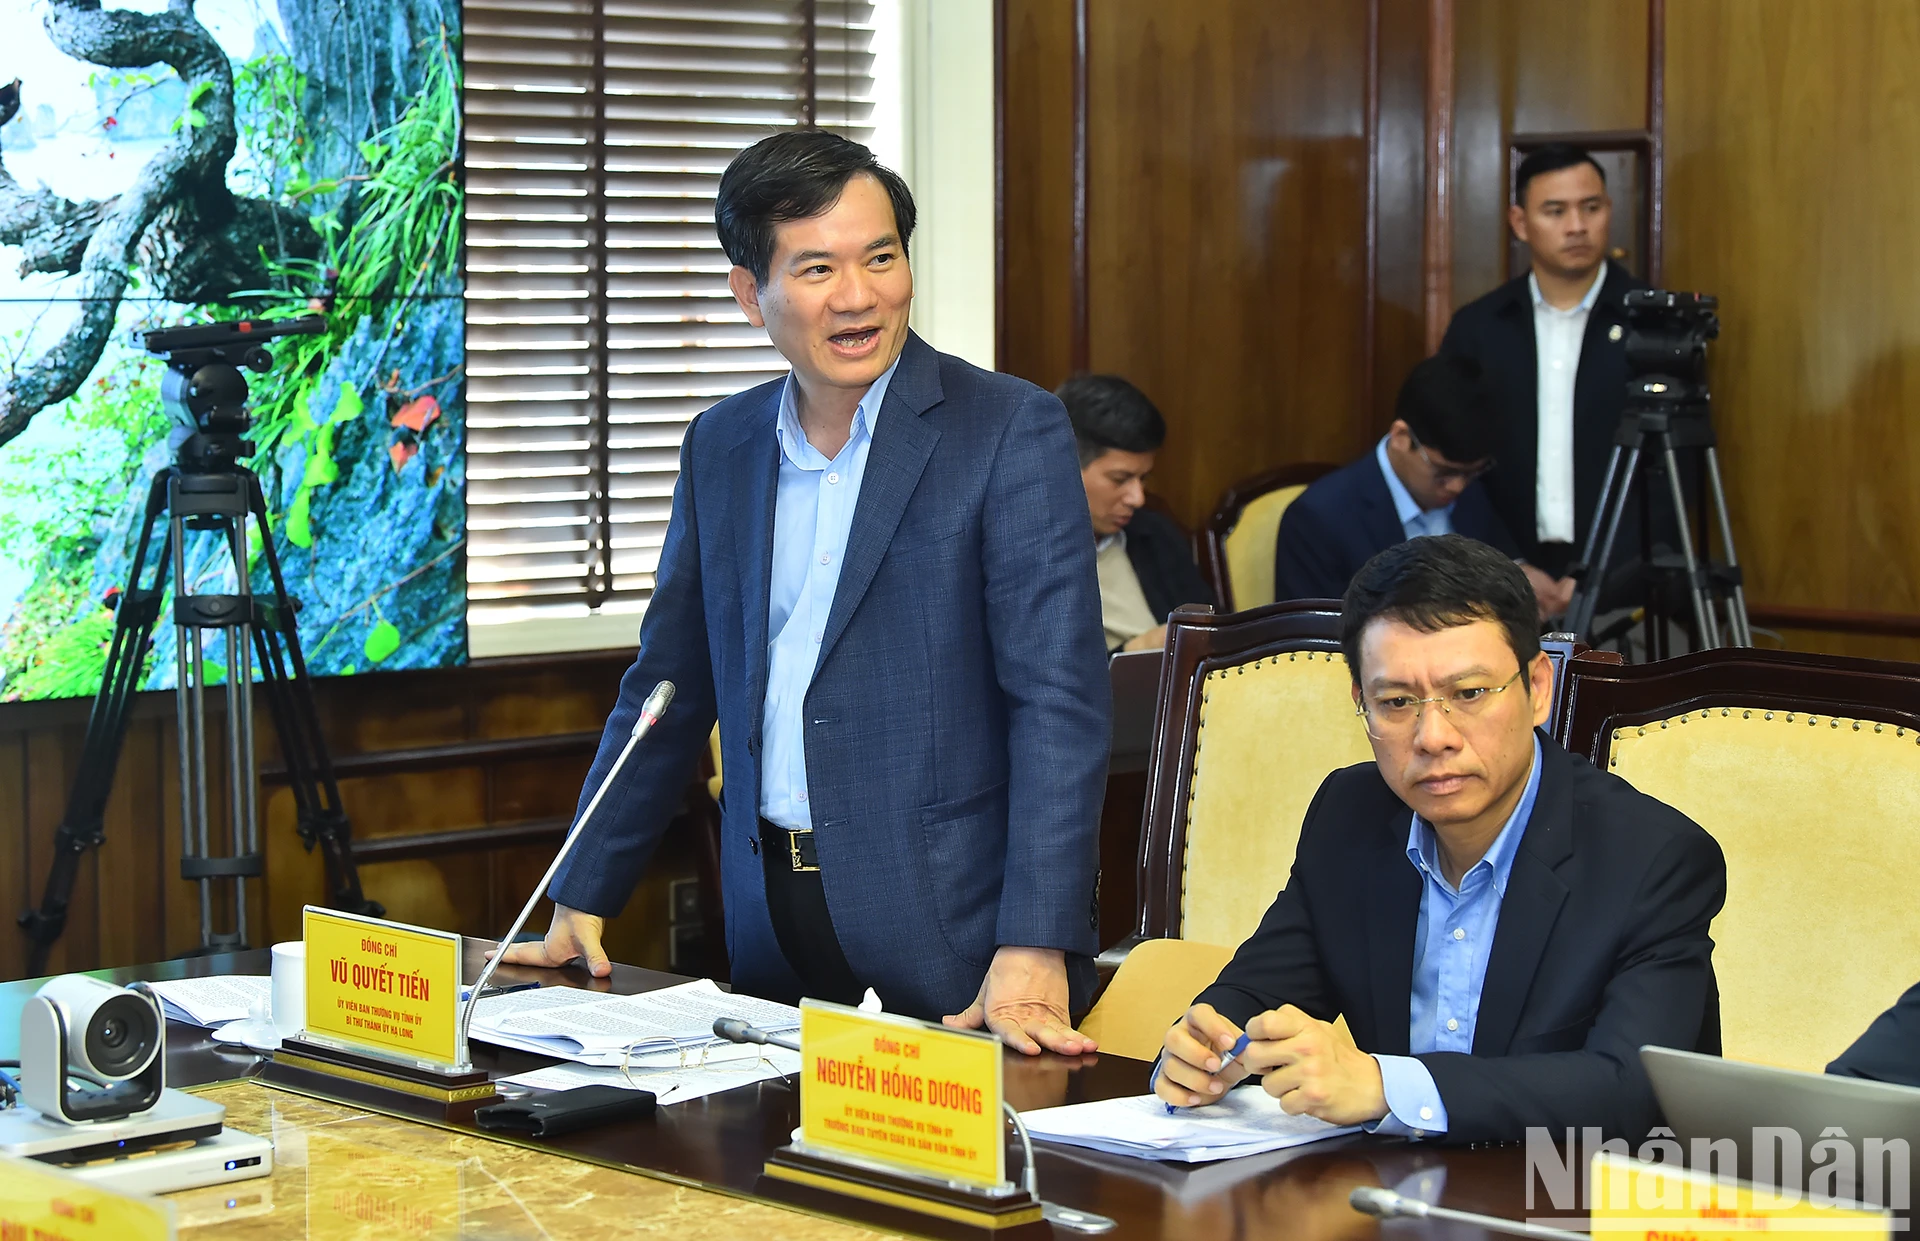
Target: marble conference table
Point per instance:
(342, 1172)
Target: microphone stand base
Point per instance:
(417, 1092)
(888, 1200)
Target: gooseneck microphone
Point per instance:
(1385, 1204)
(737, 1030)
(650, 713)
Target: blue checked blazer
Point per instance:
(957, 723)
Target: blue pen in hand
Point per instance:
(1239, 1046)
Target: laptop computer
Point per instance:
(1706, 1098)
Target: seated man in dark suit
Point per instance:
(1143, 558)
(1421, 478)
(1889, 1050)
(1502, 926)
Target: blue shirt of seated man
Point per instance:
(1450, 946)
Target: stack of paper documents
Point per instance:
(213, 1002)
(1247, 1122)
(669, 1028)
(669, 1085)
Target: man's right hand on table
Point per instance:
(573, 936)
(1191, 1073)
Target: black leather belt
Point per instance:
(800, 851)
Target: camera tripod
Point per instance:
(1653, 429)
(206, 490)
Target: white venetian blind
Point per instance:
(598, 317)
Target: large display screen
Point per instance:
(260, 158)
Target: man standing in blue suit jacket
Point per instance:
(879, 576)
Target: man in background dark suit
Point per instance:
(1502, 926)
(1889, 1049)
(1143, 558)
(1552, 346)
(1422, 478)
(878, 575)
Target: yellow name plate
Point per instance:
(1634, 1200)
(383, 987)
(904, 1094)
(37, 1202)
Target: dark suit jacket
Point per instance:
(1496, 331)
(1889, 1050)
(1346, 518)
(1601, 947)
(1162, 559)
(962, 674)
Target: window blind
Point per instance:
(598, 318)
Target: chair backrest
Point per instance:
(1154, 985)
(1237, 545)
(1254, 712)
(1806, 770)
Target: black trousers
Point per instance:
(797, 906)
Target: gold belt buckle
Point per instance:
(798, 859)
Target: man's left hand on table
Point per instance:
(1023, 1000)
(1313, 1069)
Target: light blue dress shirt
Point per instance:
(1451, 943)
(813, 515)
(1415, 520)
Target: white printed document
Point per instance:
(669, 1028)
(213, 1002)
(1248, 1121)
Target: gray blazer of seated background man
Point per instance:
(1502, 925)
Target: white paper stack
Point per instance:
(669, 1028)
(213, 1002)
(669, 1085)
(1247, 1122)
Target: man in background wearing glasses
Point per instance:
(1502, 926)
(1422, 478)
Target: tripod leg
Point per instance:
(1587, 601)
(1696, 582)
(240, 768)
(1741, 631)
(1599, 506)
(323, 819)
(82, 824)
(190, 708)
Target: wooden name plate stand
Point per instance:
(911, 1204)
(438, 1096)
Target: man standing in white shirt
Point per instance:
(1551, 344)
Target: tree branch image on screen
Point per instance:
(261, 159)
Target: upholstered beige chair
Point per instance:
(1806, 770)
(1153, 987)
(1255, 711)
(1238, 544)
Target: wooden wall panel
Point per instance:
(1532, 68)
(1791, 128)
(1399, 325)
(1036, 161)
(15, 880)
(130, 904)
(1226, 228)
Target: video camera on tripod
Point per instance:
(207, 491)
(1668, 409)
